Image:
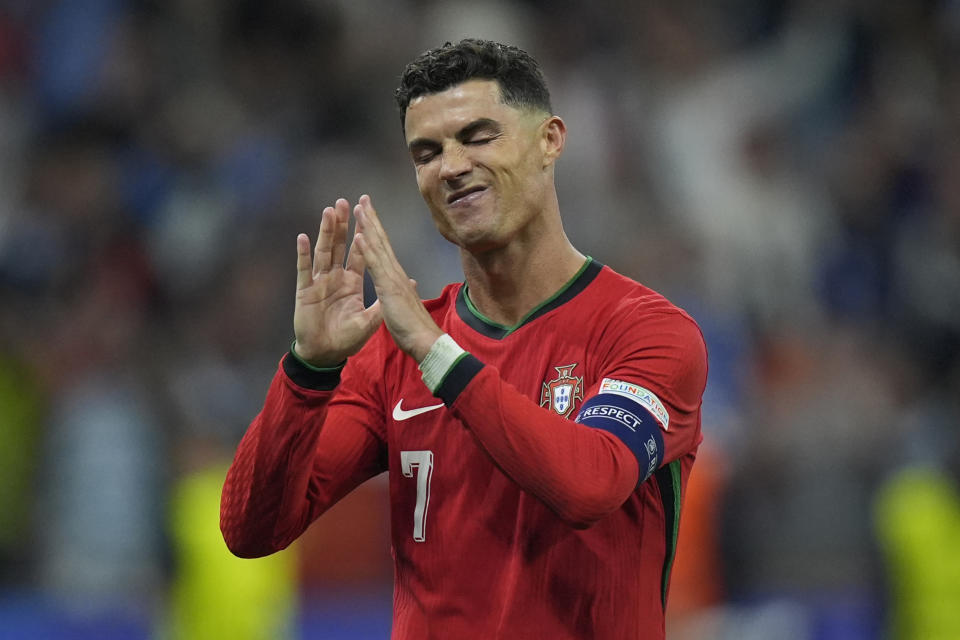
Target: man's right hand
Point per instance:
(330, 321)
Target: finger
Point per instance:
(376, 236)
(367, 218)
(355, 259)
(367, 255)
(370, 218)
(388, 277)
(323, 253)
(342, 211)
(382, 271)
(304, 268)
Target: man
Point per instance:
(538, 421)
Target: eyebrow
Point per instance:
(463, 134)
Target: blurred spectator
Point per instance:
(917, 520)
(724, 160)
(99, 517)
(21, 416)
(214, 594)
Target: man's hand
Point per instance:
(409, 323)
(330, 321)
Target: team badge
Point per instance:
(562, 393)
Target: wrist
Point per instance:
(441, 358)
(421, 348)
(313, 362)
(308, 376)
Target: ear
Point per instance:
(553, 137)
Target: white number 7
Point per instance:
(422, 463)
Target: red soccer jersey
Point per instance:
(509, 518)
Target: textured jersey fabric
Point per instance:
(509, 519)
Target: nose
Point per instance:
(454, 163)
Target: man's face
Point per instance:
(480, 163)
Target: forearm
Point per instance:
(297, 458)
(580, 473)
(262, 507)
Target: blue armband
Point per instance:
(631, 422)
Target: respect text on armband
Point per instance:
(624, 417)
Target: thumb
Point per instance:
(373, 315)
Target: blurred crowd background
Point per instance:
(787, 171)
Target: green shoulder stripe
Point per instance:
(668, 480)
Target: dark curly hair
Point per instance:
(518, 74)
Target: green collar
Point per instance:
(479, 322)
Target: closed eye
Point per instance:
(424, 155)
(483, 140)
(480, 131)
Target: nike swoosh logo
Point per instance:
(400, 413)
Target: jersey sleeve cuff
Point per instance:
(458, 378)
(310, 377)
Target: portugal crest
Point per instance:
(562, 393)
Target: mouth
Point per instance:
(463, 196)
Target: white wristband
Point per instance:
(438, 362)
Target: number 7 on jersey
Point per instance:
(421, 464)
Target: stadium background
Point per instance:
(788, 171)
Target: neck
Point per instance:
(507, 283)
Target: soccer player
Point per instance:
(539, 420)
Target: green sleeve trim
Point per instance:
(310, 366)
(669, 480)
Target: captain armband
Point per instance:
(634, 415)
